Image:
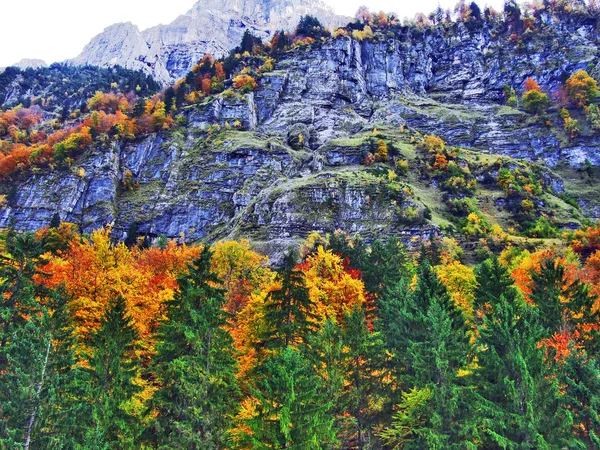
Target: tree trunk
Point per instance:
(38, 391)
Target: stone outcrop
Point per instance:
(297, 167)
(168, 52)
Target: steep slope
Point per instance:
(314, 120)
(61, 89)
(168, 52)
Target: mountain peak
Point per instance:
(30, 63)
(168, 52)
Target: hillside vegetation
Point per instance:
(376, 237)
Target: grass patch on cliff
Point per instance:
(140, 197)
(585, 189)
(231, 140)
(454, 113)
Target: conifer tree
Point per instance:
(363, 369)
(291, 410)
(325, 351)
(24, 343)
(517, 396)
(113, 369)
(560, 304)
(288, 310)
(431, 341)
(388, 262)
(38, 399)
(580, 380)
(382, 265)
(64, 385)
(493, 281)
(18, 267)
(195, 365)
(392, 324)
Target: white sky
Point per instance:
(55, 30)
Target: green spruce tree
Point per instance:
(291, 409)
(430, 341)
(289, 313)
(25, 345)
(112, 372)
(64, 385)
(382, 265)
(195, 365)
(325, 352)
(580, 380)
(363, 394)
(493, 281)
(517, 397)
(561, 304)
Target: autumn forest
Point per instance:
(344, 345)
(461, 312)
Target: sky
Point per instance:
(55, 30)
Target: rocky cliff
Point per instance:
(168, 52)
(297, 166)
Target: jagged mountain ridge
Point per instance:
(168, 52)
(264, 184)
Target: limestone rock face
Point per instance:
(26, 63)
(122, 44)
(289, 157)
(168, 52)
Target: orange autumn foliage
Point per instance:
(590, 273)
(441, 162)
(25, 147)
(206, 86)
(531, 85)
(17, 159)
(94, 271)
(585, 241)
(244, 82)
(560, 345)
(19, 121)
(250, 328)
(581, 88)
(109, 102)
(242, 271)
(531, 262)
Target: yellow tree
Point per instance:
(242, 270)
(333, 288)
(460, 282)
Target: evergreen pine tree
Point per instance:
(493, 281)
(288, 310)
(195, 365)
(38, 399)
(291, 410)
(63, 387)
(580, 380)
(363, 371)
(382, 265)
(113, 368)
(560, 304)
(55, 222)
(388, 262)
(24, 342)
(517, 396)
(431, 341)
(392, 324)
(325, 352)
